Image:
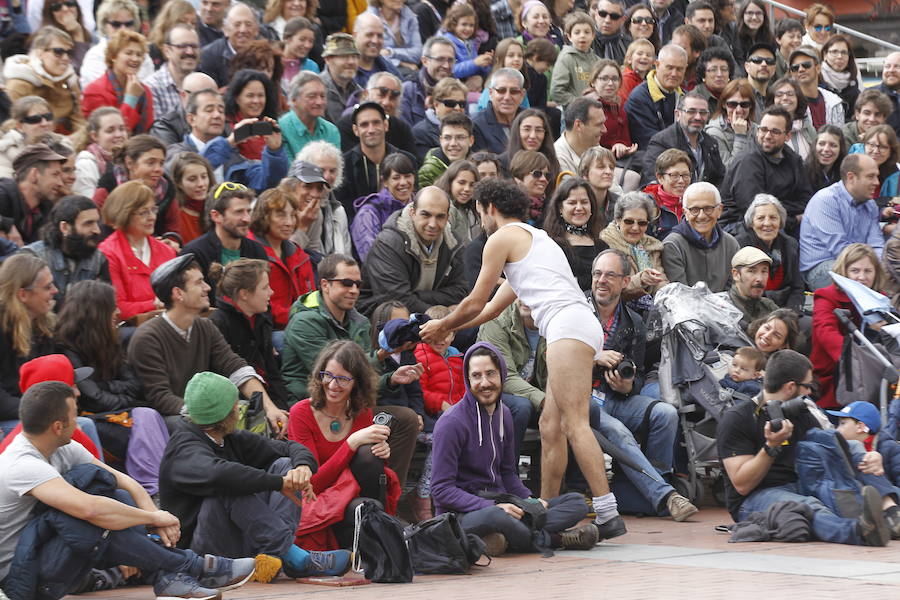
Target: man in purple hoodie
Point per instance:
(474, 456)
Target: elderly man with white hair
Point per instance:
(329, 232)
(241, 27)
(385, 89)
(507, 87)
(698, 249)
(651, 105)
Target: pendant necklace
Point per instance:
(335, 425)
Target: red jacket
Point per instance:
(130, 276)
(291, 276)
(77, 436)
(630, 80)
(442, 381)
(827, 340)
(100, 92)
(617, 131)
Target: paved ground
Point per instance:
(657, 559)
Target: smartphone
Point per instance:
(253, 129)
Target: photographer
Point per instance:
(618, 378)
(757, 443)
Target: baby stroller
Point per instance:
(699, 331)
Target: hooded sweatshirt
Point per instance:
(372, 212)
(571, 74)
(474, 451)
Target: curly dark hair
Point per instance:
(65, 211)
(505, 195)
(240, 80)
(352, 358)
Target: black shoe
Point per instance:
(612, 528)
(872, 527)
(892, 519)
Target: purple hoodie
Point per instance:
(473, 451)
(371, 213)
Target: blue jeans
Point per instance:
(522, 412)
(619, 431)
(826, 526)
(820, 275)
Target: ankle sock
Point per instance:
(605, 507)
(296, 558)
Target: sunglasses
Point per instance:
(611, 15)
(230, 186)
(60, 52)
(643, 20)
(35, 119)
(453, 103)
(821, 28)
(639, 222)
(394, 94)
(347, 282)
(745, 104)
(504, 91)
(65, 3)
(120, 24)
(758, 60)
(537, 174)
(805, 65)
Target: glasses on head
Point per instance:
(759, 60)
(35, 119)
(453, 103)
(511, 91)
(694, 112)
(60, 52)
(342, 381)
(443, 60)
(821, 28)
(385, 91)
(678, 176)
(120, 24)
(695, 211)
(764, 131)
(606, 275)
(838, 52)
(347, 282)
(60, 5)
(146, 213)
(745, 104)
(876, 147)
(632, 222)
(538, 174)
(603, 14)
(805, 65)
(183, 47)
(643, 20)
(230, 186)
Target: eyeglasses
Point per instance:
(706, 210)
(46, 288)
(632, 222)
(735, 104)
(754, 14)
(148, 212)
(65, 3)
(35, 119)
(702, 112)
(609, 15)
(230, 186)
(347, 282)
(610, 275)
(384, 91)
(764, 131)
(786, 94)
(678, 176)
(454, 138)
(720, 69)
(873, 147)
(444, 60)
(537, 174)
(813, 387)
(821, 28)
(120, 24)
(342, 381)
(643, 20)
(838, 52)
(805, 65)
(183, 47)
(453, 103)
(608, 79)
(60, 52)
(504, 91)
(758, 60)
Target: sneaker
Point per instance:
(872, 527)
(226, 574)
(333, 562)
(495, 544)
(892, 519)
(173, 586)
(612, 528)
(580, 538)
(267, 568)
(680, 507)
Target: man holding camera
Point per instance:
(617, 389)
(757, 443)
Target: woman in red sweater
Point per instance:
(860, 263)
(335, 423)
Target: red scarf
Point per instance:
(670, 202)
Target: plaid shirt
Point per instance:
(165, 93)
(503, 19)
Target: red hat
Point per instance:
(52, 367)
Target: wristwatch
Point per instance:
(773, 452)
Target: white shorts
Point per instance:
(576, 322)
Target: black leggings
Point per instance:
(367, 470)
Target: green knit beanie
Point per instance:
(209, 398)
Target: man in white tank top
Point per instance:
(537, 272)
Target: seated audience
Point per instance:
(753, 27)
(68, 16)
(639, 60)
(402, 37)
(30, 118)
(641, 24)
(734, 120)
(605, 85)
(531, 130)
(779, 330)
(819, 24)
(171, 127)
(598, 167)
(458, 182)
(880, 142)
(674, 173)
(746, 372)
(750, 268)
(300, 40)
(240, 28)
(305, 121)
(651, 105)
(787, 94)
(510, 52)
(368, 35)
(507, 87)
(28, 199)
(193, 178)
(824, 106)
(823, 165)
(715, 70)
(329, 234)
(455, 141)
(385, 89)
(251, 95)
(471, 66)
(372, 211)
(112, 15)
(438, 58)
(103, 136)
(585, 125)
(576, 58)
(531, 170)
(448, 96)
(840, 73)
(872, 108)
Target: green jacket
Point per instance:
(432, 167)
(310, 329)
(507, 333)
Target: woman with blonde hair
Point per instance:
(67, 15)
(112, 15)
(30, 118)
(279, 12)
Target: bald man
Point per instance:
(651, 105)
(171, 127)
(368, 33)
(890, 85)
(240, 27)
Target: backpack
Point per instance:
(379, 548)
(439, 546)
(859, 374)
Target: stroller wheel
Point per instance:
(683, 486)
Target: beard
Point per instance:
(79, 246)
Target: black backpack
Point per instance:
(379, 549)
(439, 546)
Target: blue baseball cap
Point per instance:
(861, 411)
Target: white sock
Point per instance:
(605, 507)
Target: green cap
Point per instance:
(209, 398)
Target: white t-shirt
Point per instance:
(23, 468)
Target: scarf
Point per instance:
(669, 201)
(535, 210)
(608, 44)
(142, 125)
(695, 239)
(35, 63)
(576, 229)
(121, 175)
(836, 79)
(102, 156)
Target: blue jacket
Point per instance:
(413, 101)
(649, 110)
(473, 451)
(257, 174)
(489, 134)
(466, 52)
(56, 549)
(372, 212)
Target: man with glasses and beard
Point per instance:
(69, 245)
(749, 276)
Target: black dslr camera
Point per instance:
(383, 418)
(779, 411)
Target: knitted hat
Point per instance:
(51, 367)
(209, 398)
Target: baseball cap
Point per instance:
(761, 46)
(51, 367)
(749, 256)
(805, 51)
(367, 105)
(339, 44)
(33, 154)
(308, 173)
(163, 277)
(860, 411)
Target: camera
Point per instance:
(779, 411)
(626, 369)
(383, 418)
